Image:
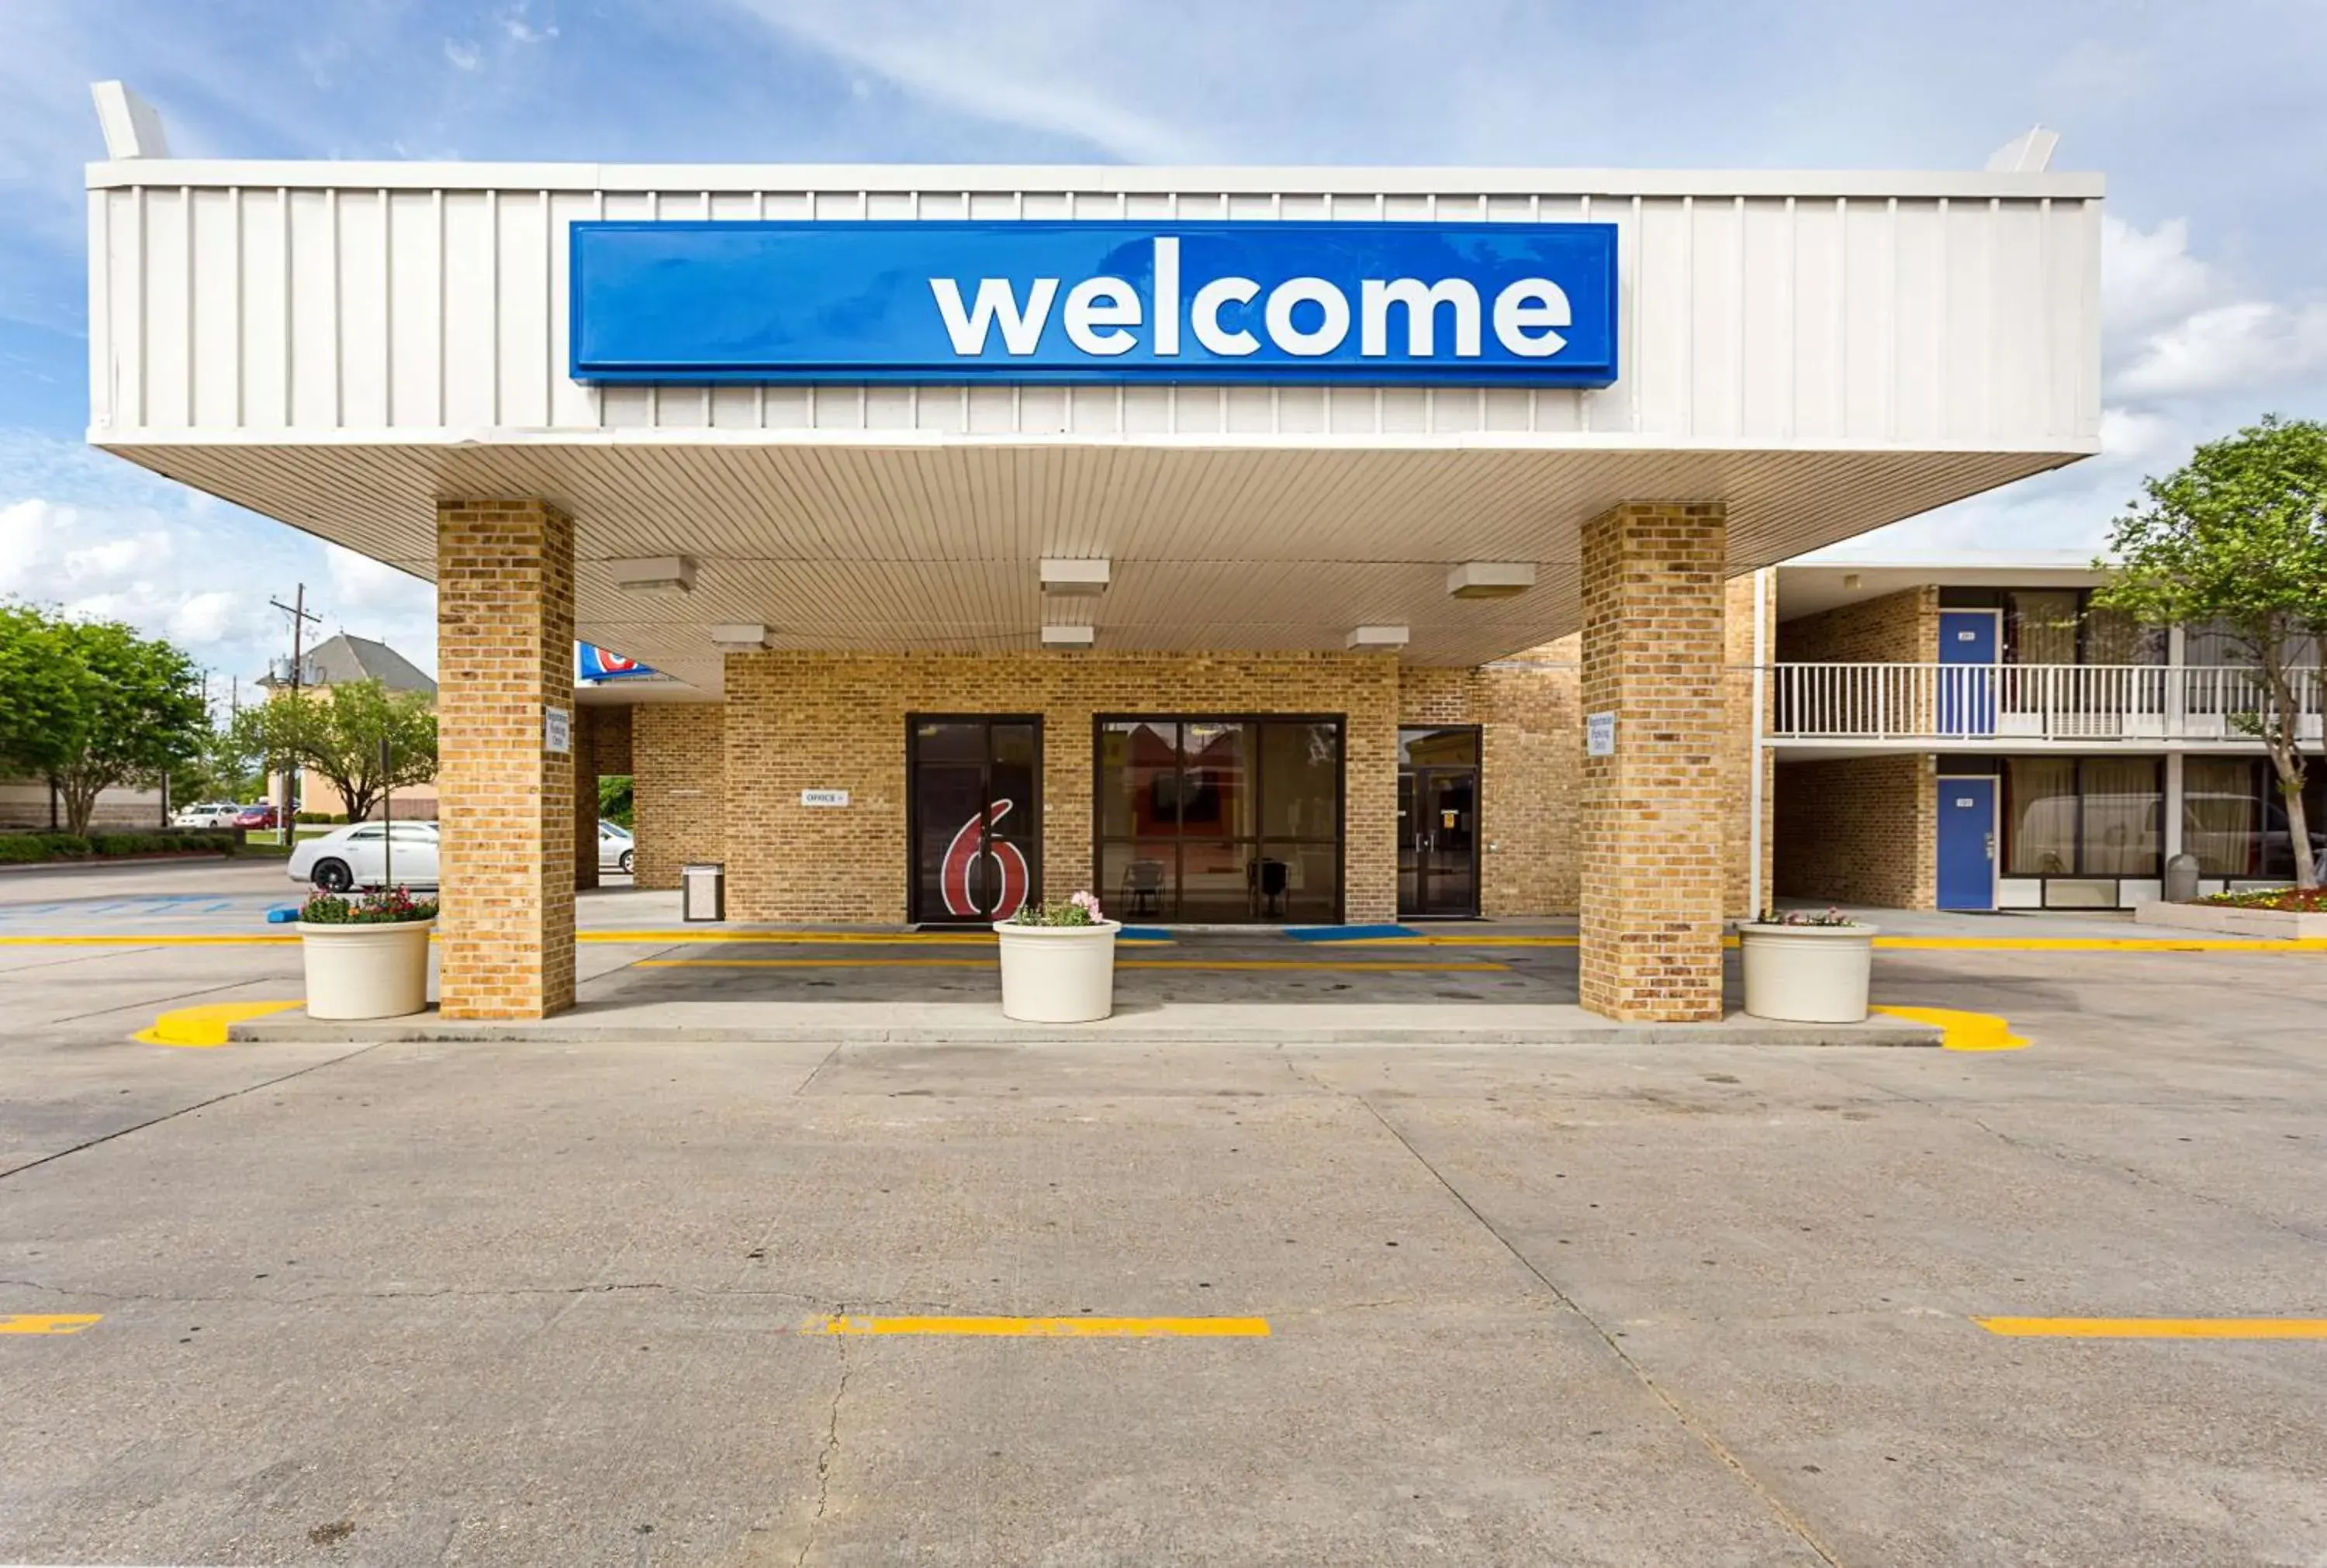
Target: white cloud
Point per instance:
(2130, 434)
(1001, 64)
(97, 538)
(521, 31)
(2253, 346)
(2150, 278)
(464, 56)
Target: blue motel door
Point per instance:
(1969, 647)
(1967, 843)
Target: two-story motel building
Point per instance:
(1285, 544)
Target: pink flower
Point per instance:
(1087, 903)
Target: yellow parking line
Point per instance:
(2107, 944)
(2157, 1328)
(1443, 941)
(1078, 1328)
(112, 940)
(1963, 1030)
(938, 938)
(823, 963)
(1419, 966)
(1463, 966)
(205, 1025)
(49, 1322)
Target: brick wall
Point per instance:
(1651, 832)
(1858, 830)
(1531, 756)
(1902, 628)
(610, 736)
(504, 652)
(679, 787)
(820, 721)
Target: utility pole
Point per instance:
(298, 611)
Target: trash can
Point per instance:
(2182, 879)
(703, 891)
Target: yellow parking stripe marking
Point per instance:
(1078, 1328)
(49, 1322)
(206, 1025)
(2157, 1328)
(112, 940)
(822, 962)
(915, 938)
(1445, 941)
(2107, 944)
(1450, 967)
(1963, 1030)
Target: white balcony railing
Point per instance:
(1945, 703)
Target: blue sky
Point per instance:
(2206, 118)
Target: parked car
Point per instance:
(616, 847)
(205, 813)
(255, 816)
(358, 855)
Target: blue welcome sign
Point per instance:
(1530, 305)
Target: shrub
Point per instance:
(1077, 909)
(2296, 900)
(396, 906)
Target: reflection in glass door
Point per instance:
(976, 813)
(1438, 824)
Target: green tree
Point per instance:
(2237, 539)
(615, 799)
(336, 732)
(97, 706)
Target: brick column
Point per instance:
(1652, 829)
(585, 797)
(504, 653)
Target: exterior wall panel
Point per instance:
(1747, 314)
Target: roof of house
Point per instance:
(337, 660)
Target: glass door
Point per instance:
(974, 792)
(1438, 824)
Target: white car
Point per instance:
(205, 813)
(367, 855)
(615, 847)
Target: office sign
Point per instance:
(1529, 304)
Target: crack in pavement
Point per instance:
(184, 1110)
(1704, 1434)
(824, 1459)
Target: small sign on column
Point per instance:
(1600, 736)
(556, 731)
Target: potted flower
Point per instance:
(1806, 966)
(1058, 962)
(367, 956)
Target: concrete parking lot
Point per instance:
(625, 1302)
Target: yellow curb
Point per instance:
(1963, 1030)
(2109, 944)
(206, 1025)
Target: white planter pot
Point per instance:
(1806, 974)
(377, 971)
(1057, 974)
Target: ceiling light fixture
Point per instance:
(738, 637)
(1489, 579)
(654, 574)
(1074, 579)
(1377, 637)
(1069, 636)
